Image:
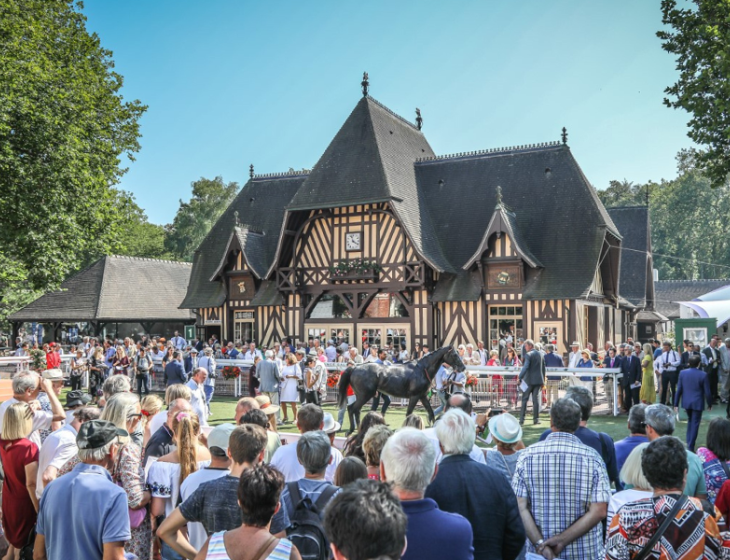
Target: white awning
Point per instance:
(717, 309)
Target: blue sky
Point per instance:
(234, 82)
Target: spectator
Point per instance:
(271, 410)
(57, 382)
(693, 389)
(173, 392)
(349, 470)
(492, 510)
(660, 422)
(568, 527)
(174, 370)
(115, 384)
(190, 363)
(259, 493)
(715, 456)
(291, 378)
(244, 405)
(19, 458)
(637, 435)
(365, 521)
(213, 503)
(408, 462)
(413, 421)
(647, 394)
(632, 475)
(26, 387)
(601, 442)
(372, 446)
(286, 457)
(314, 452)
(259, 418)
(462, 402)
(269, 377)
(162, 441)
(666, 366)
(553, 360)
(353, 445)
(142, 367)
(84, 514)
(532, 375)
(197, 394)
(692, 533)
(506, 431)
(151, 405)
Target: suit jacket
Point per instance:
(268, 375)
(533, 370)
(692, 386)
(631, 369)
(684, 364)
(174, 373)
(492, 511)
(708, 354)
(188, 363)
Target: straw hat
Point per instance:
(505, 428)
(266, 406)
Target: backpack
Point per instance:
(306, 530)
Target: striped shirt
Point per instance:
(217, 549)
(561, 478)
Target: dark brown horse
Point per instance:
(411, 381)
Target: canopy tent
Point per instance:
(721, 294)
(714, 304)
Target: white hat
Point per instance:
(54, 374)
(575, 343)
(330, 425)
(220, 435)
(505, 428)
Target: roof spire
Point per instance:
(250, 171)
(646, 194)
(419, 120)
(365, 84)
(564, 136)
(235, 217)
(499, 195)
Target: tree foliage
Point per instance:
(688, 220)
(700, 39)
(63, 130)
(195, 218)
(138, 238)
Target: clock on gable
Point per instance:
(353, 241)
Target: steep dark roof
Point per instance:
(371, 160)
(560, 218)
(636, 262)
(116, 289)
(260, 206)
(465, 286)
(668, 292)
(267, 294)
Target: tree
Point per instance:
(139, 238)
(623, 193)
(195, 218)
(700, 38)
(63, 130)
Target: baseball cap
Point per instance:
(95, 434)
(77, 398)
(220, 435)
(54, 374)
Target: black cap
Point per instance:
(77, 398)
(95, 434)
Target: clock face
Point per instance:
(352, 241)
(503, 278)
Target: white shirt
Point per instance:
(573, 359)
(285, 459)
(57, 450)
(198, 402)
(673, 358)
(483, 357)
(624, 497)
(178, 342)
(156, 422)
(196, 532)
(41, 420)
(331, 353)
(250, 356)
(476, 453)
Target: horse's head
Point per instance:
(452, 358)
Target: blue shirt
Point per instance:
(81, 511)
(434, 534)
(308, 488)
(625, 447)
(657, 352)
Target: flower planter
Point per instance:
(359, 277)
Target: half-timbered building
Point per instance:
(384, 241)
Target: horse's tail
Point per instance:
(342, 387)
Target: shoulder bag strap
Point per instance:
(662, 528)
(724, 466)
(296, 497)
(263, 549)
(325, 496)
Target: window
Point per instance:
(384, 305)
(505, 321)
(330, 306)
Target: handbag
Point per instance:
(662, 528)
(26, 553)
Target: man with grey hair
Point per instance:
(197, 394)
(84, 514)
(562, 490)
(26, 388)
(408, 462)
(492, 511)
(116, 384)
(533, 376)
(314, 454)
(637, 435)
(659, 420)
(269, 377)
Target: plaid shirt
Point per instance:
(561, 478)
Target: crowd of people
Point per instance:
(120, 472)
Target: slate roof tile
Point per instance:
(636, 262)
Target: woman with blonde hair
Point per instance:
(413, 421)
(124, 411)
(291, 376)
(372, 446)
(631, 473)
(172, 393)
(19, 458)
(648, 392)
(151, 405)
(167, 474)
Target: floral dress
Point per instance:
(129, 474)
(714, 473)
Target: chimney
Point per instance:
(655, 274)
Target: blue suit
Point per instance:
(631, 370)
(174, 373)
(692, 390)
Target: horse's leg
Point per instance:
(429, 410)
(354, 409)
(412, 402)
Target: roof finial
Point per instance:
(647, 195)
(235, 217)
(499, 195)
(564, 136)
(250, 171)
(365, 84)
(419, 120)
